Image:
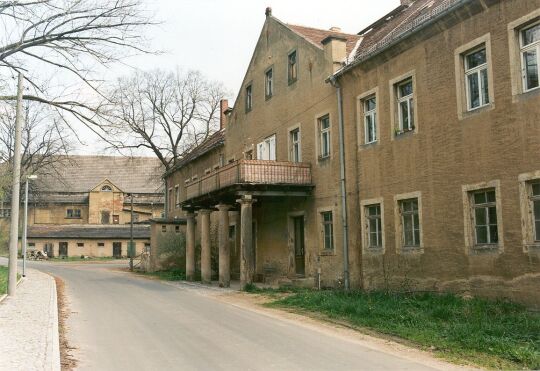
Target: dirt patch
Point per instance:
(67, 361)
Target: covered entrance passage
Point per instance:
(238, 186)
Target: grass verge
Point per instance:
(3, 280)
(493, 334)
(79, 259)
(168, 275)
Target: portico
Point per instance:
(237, 187)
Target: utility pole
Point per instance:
(131, 247)
(25, 221)
(15, 192)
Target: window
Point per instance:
(374, 226)
(370, 119)
(106, 188)
(116, 219)
(327, 230)
(73, 213)
(80, 244)
(535, 201)
(147, 247)
(485, 217)
(32, 245)
(266, 150)
(177, 196)
(101, 244)
(177, 228)
(530, 56)
(294, 141)
(405, 105)
(105, 217)
(324, 136)
(163, 228)
(269, 83)
(410, 222)
(476, 79)
(249, 98)
(292, 70)
(170, 199)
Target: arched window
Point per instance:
(106, 188)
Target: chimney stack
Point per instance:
(268, 12)
(406, 2)
(223, 108)
(335, 50)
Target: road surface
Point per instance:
(123, 322)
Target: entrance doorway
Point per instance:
(63, 249)
(298, 236)
(117, 250)
(49, 250)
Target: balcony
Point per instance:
(260, 178)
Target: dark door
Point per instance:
(49, 250)
(117, 249)
(300, 261)
(63, 249)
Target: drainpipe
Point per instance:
(342, 181)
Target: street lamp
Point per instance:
(25, 229)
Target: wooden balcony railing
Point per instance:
(250, 172)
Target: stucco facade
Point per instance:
(441, 145)
(452, 153)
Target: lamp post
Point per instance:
(25, 229)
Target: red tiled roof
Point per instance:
(402, 20)
(316, 36)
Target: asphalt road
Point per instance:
(121, 322)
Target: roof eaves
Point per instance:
(397, 40)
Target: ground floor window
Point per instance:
(535, 207)
(410, 221)
(485, 217)
(327, 230)
(373, 215)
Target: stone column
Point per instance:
(190, 246)
(206, 259)
(224, 248)
(247, 268)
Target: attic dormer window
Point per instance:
(106, 188)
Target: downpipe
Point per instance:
(343, 183)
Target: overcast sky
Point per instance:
(217, 37)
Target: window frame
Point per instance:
(486, 208)
(525, 48)
(477, 70)
(372, 114)
(531, 243)
(324, 223)
(469, 217)
(365, 223)
(292, 67)
(295, 156)
(177, 196)
(269, 83)
(248, 97)
(401, 246)
(79, 216)
(324, 133)
(409, 99)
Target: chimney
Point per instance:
(335, 50)
(406, 2)
(223, 108)
(335, 29)
(268, 12)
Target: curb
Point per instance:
(3, 297)
(55, 336)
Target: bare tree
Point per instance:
(74, 36)
(167, 113)
(45, 143)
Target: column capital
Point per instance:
(205, 211)
(246, 199)
(223, 207)
(190, 214)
